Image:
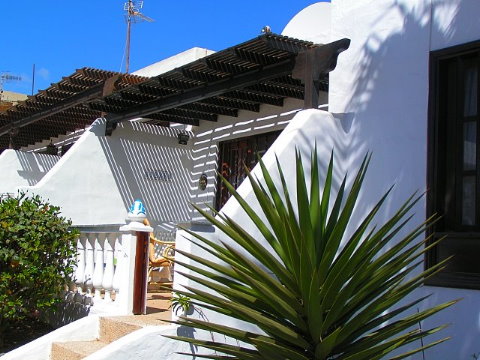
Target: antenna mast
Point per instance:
(133, 15)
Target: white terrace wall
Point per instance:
(23, 169)
(100, 177)
(380, 87)
(379, 97)
(208, 136)
(306, 128)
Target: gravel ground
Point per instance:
(22, 332)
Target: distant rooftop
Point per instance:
(9, 99)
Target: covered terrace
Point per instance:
(265, 70)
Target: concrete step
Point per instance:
(160, 287)
(75, 350)
(114, 327)
(158, 302)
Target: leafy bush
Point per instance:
(37, 251)
(312, 291)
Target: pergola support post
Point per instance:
(311, 64)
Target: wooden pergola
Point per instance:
(61, 108)
(265, 70)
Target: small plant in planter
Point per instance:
(182, 303)
(313, 291)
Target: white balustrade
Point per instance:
(98, 270)
(104, 269)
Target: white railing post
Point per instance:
(118, 262)
(134, 220)
(107, 261)
(89, 264)
(80, 266)
(107, 282)
(99, 267)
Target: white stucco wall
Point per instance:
(23, 169)
(208, 136)
(100, 177)
(379, 94)
(454, 22)
(173, 62)
(312, 24)
(301, 133)
(380, 86)
(86, 329)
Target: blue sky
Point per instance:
(61, 36)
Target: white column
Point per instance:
(99, 265)
(125, 268)
(107, 282)
(89, 263)
(80, 267)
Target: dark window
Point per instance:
(454, 167)
(234, 155)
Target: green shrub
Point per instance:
(37, 250)
(313, 291)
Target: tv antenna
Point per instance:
(133, 15)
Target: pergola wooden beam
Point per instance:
(200, 93)
(308, 66)
(66, 104)
(311, 64)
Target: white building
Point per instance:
(406, 90)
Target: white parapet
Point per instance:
(307, 128)
(18, 168)
(86, 329)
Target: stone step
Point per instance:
(111, 329)
(158, 302)
(75, 350)
(114, 327)
(162, 287)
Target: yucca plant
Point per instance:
(312, 292)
